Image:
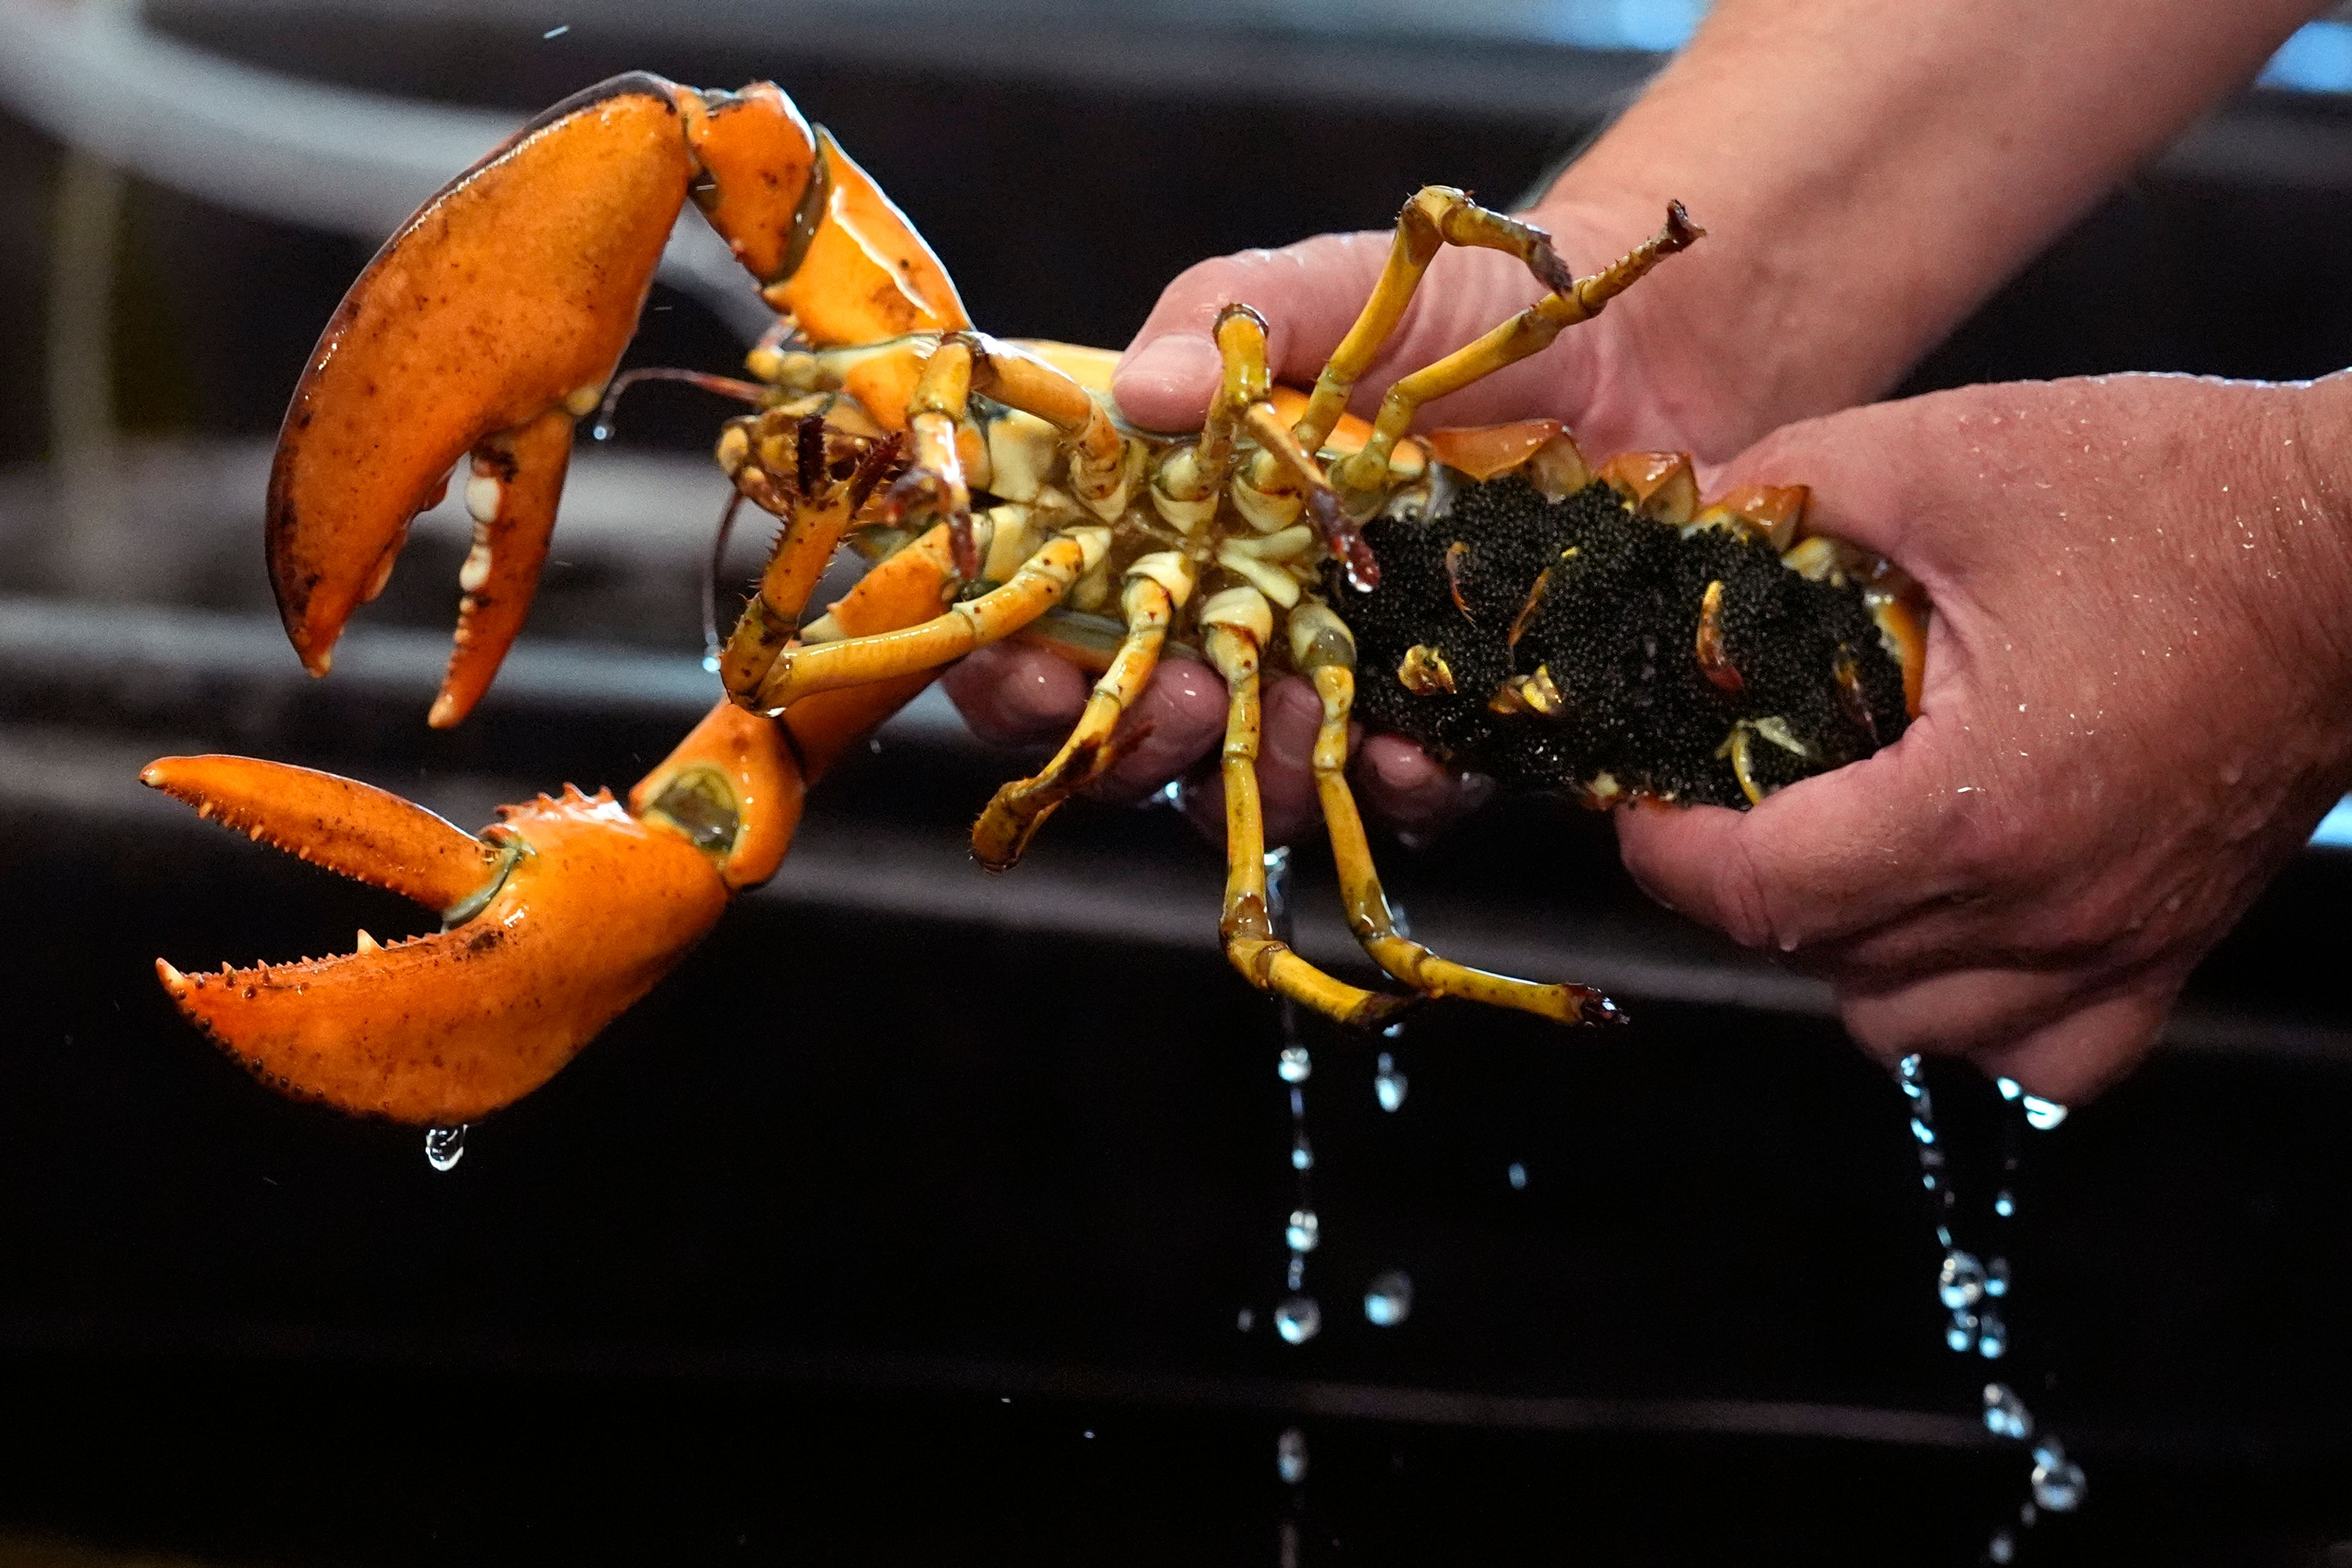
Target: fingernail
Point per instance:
(1166, 385)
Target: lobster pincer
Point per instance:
(556, 918)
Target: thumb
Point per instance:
(1309, 294)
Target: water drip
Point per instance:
(1290, 1455)
(445, 1146)
(1388, 1300)
(1297, 1320)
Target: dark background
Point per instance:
(845, 1248)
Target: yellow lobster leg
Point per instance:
(1042, 581)
(1237, 622)
(1321, 647)
(1436, 215)
(1532, 329)
(1157, 585)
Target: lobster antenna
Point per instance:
(750, 392)
(711, 564)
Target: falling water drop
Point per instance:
(1388, 1084)
(1518, 1176)
(1388, 1300)
(2058, 1483)
(1294, 1065)
(1922, 1131)
(1295, 1277)
(445, 1146)
(1298, 1318)
(1290, 1455)
(1992, 1337)
(1961, 1281)
(1302, 1155)
(1997, 1277)
(1305, 1232)
(1962, 1331)
(2005, 1415)
(710, 664)
(2003, 1548)
(2005, 1205)
(2041, 1115)
(1246, 1319)
(2009, 1087)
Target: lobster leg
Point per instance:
(1237, 622)
(1436, 215)
(821, 502)
(1042, 581)
(1525, 334)
(1156, 586)
(1326, 653)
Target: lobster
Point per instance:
(1596, 630)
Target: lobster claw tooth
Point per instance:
(486, 324)
(562, 915)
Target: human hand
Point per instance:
(1627, 379)
(2135, 712)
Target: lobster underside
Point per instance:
(1483, 591)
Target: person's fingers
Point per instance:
(1289, 716)
(1285, 758)
(1826, 859)
(1399, 784)
(1959, 1012)
(2074, 1058)
(1309, 294)
(1011, 694)
(1177, 721)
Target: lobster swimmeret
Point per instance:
(1484, 590)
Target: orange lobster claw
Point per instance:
(565, 912)
(494, 318)
(556, 918)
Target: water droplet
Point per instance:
(1922, 1131)
(1172, 795)
(2041, 1115)
(1518, 1176)
(1997, 1277)
(1290, 1455)
(2003, 1548)
(1302, 1157)
(1295, 1275)
(2005, 1205)
(1388, 1300)
(1388, 1084)
(1962, 1331)
(1304, 1232)
(1961, 1281)
(1298, 1104)
(1394, 1031)
(2005, 1415)
(2058, 1483)
(1400, 919)
(1295, 1066)
(1246, 1319)
(2009, 1086)
(710, 664)
(445, 1146)
(1090, 1437)
(1907, 1069)
(1928, 1181)
(1298, 1318)
(1992, 1337)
